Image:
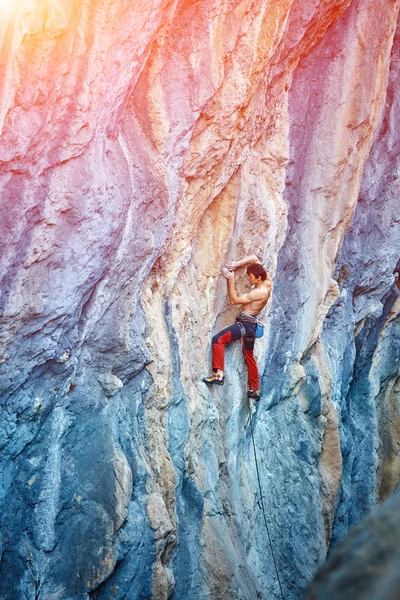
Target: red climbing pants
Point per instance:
(231, 334)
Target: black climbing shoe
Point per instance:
(214, 380)
(255, 394)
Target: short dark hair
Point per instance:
(257, 270)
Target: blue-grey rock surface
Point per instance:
(142, 146)
(366, 565)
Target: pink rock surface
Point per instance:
(143, 145)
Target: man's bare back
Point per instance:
(255, 306)
(255, 300)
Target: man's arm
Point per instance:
(243, 298)
(247, 260)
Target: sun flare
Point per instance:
(7, 4)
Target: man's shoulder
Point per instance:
(267, 285)
(266, 289)
(259, 293)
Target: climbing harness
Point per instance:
(261, 505)
(243, 317)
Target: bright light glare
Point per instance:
(7, 4)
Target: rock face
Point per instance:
(142, 146)
(366, 564)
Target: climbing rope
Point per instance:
(262, 505)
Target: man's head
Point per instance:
(258, 272)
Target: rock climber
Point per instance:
(246, 322)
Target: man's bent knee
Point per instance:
(223, 337)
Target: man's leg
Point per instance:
(229, 334)
(252, 369)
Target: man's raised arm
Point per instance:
(234, 298)
(247, 260)
(230, 277)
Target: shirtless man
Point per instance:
(246, 323)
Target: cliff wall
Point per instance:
(142, 146)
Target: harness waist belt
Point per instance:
(246, 317)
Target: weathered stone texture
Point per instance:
(366, 565)
(144, 144)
